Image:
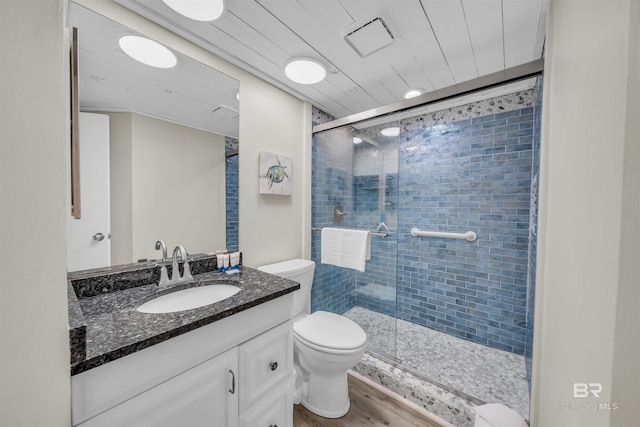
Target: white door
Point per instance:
(88, 238)
(203, 396)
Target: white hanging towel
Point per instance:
(345, 248)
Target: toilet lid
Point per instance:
(330, 330)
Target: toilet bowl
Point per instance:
(326, 345)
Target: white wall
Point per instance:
(178, 188)
(581, 271)
(270, 228)
(169, 184)
(120, 134)
(34, 346)
(626, 356)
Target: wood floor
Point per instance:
(371, 406)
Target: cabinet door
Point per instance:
(205, 395)
(276, 410)
(266, 362)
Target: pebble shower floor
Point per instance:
(466, 367)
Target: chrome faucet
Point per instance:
(175, 269)
(164, 277)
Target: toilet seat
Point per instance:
(329, 333)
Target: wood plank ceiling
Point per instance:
(436, 43)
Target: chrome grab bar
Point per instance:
(469, 235)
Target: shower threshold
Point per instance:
(397, 363)
(469, 371)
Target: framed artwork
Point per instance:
(276, 174)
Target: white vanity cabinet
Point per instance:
(203, 395)
(237, 371)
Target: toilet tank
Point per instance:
(298, 270)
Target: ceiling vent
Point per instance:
(370, 37)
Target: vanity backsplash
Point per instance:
(90, 283)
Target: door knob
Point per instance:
(99, 237)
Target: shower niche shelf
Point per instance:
(373, 183)
(376, 188)
(375, 193)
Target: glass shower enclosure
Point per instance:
(447, 310)
(355, 185)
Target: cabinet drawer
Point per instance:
(274, 411)
(265, 362)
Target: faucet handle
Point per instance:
(164, 277)
(175, 271)
(186, 273)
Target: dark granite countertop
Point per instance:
(106, 326)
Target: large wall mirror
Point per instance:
(166, 140)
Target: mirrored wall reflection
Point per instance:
(232, 190)
(165, 131)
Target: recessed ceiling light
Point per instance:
(198, 10)
(392, 131)
(357, 140)
(148, 51)
(412, 93)
(305, 71)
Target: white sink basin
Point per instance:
(187, 299)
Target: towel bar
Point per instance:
(372, 233)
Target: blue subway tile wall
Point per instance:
(376, 197)
(232, 195)
(472, 174)
(533, 227)
(332, 185)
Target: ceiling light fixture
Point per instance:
(357, 140)
(305, 71)
(198, 10)
(148, 51)
(412, 93)
(392, 131)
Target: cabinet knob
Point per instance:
(273, 425)
(274, 366)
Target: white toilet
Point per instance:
(326, 345)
